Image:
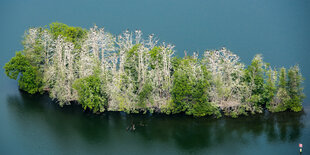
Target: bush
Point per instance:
(91, 94)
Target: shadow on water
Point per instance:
(187, 133)
(39, 111)
(199, 133)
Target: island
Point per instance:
(103, 72)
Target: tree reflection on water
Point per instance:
(187, 133)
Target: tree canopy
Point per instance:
(135, 74)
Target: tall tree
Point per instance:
(60, 76)
(281, 99)
(254, 76)
(295, 89)
(227, 88)
(270, 87)
(190, 88)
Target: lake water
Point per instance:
(278, 29)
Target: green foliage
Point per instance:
(200, 106)
(91, 94)
(189, 93)
(282, 94)
(254, 76)
(240, 111)
(144, 95)
(34, 52)
(175, 62)
(282, 78)
(131, 64)
(289, 95)
(181, 91)
(72, 34)
(29, 80)
(280, 101)
(256, 72)
(156, 57)
(294, 89)
(270, 87)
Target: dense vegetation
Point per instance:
(127, 73)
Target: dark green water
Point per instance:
(279, 29)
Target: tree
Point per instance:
(160, 73)
(60, 75)
(19, 66)
(270, 87)
(71, 34)
(181, 91)
(281, 100)
(190, 89)
(200, 103)
(143, 78)
(227, 88)
(33, 47)
(295, 89)
(91, 93)
(254, 76)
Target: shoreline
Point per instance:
(78, 106)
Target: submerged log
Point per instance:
(131, 127)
